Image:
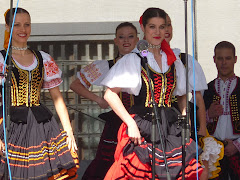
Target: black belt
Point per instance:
(19, 114)
(146, 113)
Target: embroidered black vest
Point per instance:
(163, 86)
(25, 92)
(211, 96)
(127, 99)
(26, 87)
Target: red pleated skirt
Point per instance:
(129, 165)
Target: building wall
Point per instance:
(217, 20)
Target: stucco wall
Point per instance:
(217, 20)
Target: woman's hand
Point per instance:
(102, 103)
(111, 96)
(215, 110)
(204, 175)
(71, 141)
(230, 149)
(81, 90)
(134, 134)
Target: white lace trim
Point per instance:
(211, 153)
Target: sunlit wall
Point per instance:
(217, 20)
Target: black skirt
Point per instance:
(171, 135)
(38, 150)
(106, 148)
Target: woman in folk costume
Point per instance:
(37, 148)
(92, 74)
(212, 149)
(133, 154)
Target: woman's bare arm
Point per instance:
(201, 113)
(64, 117)
(182, 104)
(111, 96)
(81, 90)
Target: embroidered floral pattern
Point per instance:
(53, 83)
(51, 68)
(93, 72)
(88, 84)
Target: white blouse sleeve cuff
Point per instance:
(93, 73)
(125, 74)
(212, 152)
(52, 74)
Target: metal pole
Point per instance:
(185, 123)
(8, 88)
(195, 29)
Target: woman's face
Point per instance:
(154, 30)
(168, 34)
(126, 40)
(21, 29)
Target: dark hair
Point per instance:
(225, 44)
(153, 12)
(125, 24)
(19, 10)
